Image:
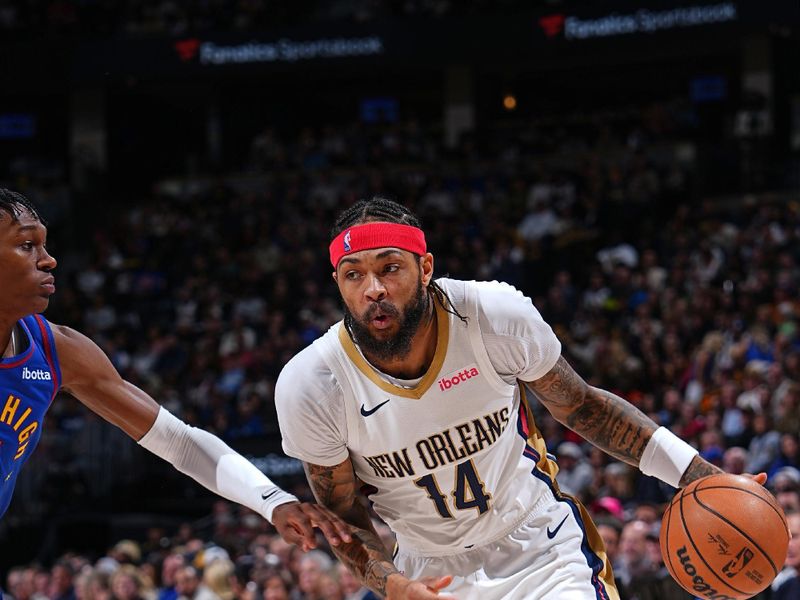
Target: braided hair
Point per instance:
(389, 211)
(14, 204)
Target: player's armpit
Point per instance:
(606, 420)
(335, 487)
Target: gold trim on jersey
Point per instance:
(415, 393)
(536, 439)
(550, 468)
(595, 542)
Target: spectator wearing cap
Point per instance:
(575, 474)
(609, 506)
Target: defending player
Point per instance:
(421, 394)
(39, 358)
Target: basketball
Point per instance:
(724, 537)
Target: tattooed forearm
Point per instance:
(366, 556)
(613, 425)
(697, 469)
(609, 422)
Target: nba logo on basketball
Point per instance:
(347, 242)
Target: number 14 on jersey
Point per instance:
(469, 491)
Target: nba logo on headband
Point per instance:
(347, 241)
(376, 234)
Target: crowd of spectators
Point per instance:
(199, 293)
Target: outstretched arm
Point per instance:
(90, 377)
(606, 420)
(336, 488)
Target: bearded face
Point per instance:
(384, 345)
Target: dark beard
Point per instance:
(398, 346)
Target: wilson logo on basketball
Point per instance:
(454, 379)
(699, 584)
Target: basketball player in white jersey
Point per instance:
(420, 396)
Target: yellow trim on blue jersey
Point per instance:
(415, 393)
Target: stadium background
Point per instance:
(632, 166)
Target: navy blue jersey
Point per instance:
(28, 384)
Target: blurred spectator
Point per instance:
(764, 446)
(169, 569)
(610, 530)
(312, 566)
(189, 586)
(126, 552)
(126, 584)
(634, 561)
(610, 506)
(734, 460)
(218, 577)
(788, 454)
(785, 484)
(351, 586)
(575, 474)
(61, 581)
(786, 585)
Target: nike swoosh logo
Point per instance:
(272, 493)
(552, 534)
(367, 413)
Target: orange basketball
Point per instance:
(724, 537)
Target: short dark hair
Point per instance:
(14, 203)
(382, 209)
(375, 209)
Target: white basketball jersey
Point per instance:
(450, 461)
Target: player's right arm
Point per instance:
(336, 488)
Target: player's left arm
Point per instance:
(89, 376)
(613, 424)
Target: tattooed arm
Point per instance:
(606, 420)
(366, 556)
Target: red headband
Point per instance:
(376, 235)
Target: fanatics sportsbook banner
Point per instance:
(543, 38)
